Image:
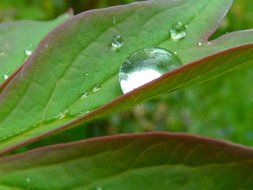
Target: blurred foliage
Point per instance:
(221, 108)
(49, 9)
(31, 9)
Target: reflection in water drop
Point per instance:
(117, 42)
(144, 66)
(178, 31)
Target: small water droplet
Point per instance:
(145, 65)
(80, 114)
(96, 88)
(6, 76)
(22, 71)
(117, 42)
(85, 95)
(86, 74)
(200, 43)
(62, 114)
(29, 50)
(175, 52)
(178, 31)
(99, 188)
(87, 112)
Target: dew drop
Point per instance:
(96, 88)
(200, 43)
(146, 65)
(62, 114)
(117, 42)
(178, 31)
(28, 180)
(85, 95)
(22, 72)
(80, 114)
(86, 74)
(6, 76)
(29, 50)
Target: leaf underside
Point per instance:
(45, 95)
(143, 161)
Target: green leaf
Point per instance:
(16, 37)
(45, 95)
(143, 161)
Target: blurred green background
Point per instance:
(221, 108)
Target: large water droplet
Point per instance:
(117, 42)
(178, 31)
(146, 65)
